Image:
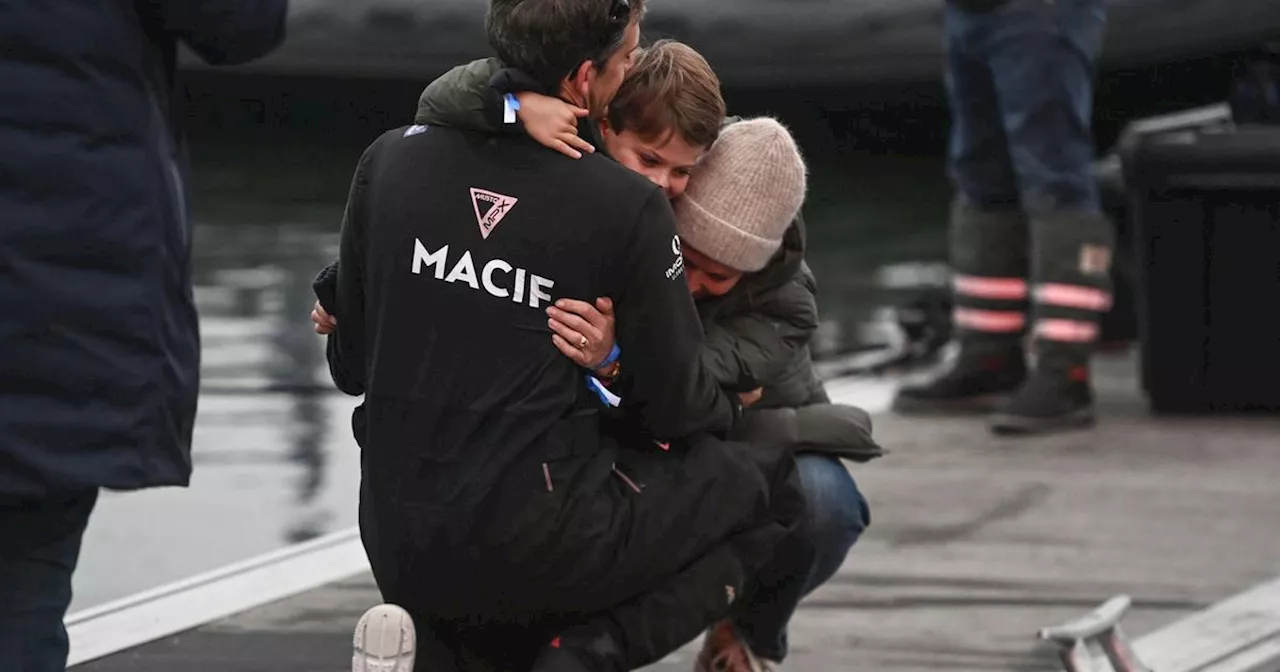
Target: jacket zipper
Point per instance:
(626, 479)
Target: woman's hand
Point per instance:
(749, 398)
(553, 123)
(583, 332)
(324, 322)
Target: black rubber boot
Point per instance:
(1050, 401)
(974, 382)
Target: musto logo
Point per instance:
(677, 266)
(490, 207)
(496, 277)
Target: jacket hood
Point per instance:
(785, 262)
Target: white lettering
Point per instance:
(436, 259)
(465, 271)
(486, 277)
(537, 283)
(519, 295)
(676, 268)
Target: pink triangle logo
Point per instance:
(490, 208)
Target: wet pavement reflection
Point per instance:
(275, 463)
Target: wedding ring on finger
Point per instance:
(582, 343)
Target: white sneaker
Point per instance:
(385, 641)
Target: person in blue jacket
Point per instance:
(99, 347)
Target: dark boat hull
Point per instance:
(750, 42)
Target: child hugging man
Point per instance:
(737, 187)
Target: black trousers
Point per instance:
(39, 549)
(622, 550)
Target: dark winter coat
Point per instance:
(99, 348)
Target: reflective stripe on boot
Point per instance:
(988, 249)
(1071, 288)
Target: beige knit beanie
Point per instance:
(744, 195)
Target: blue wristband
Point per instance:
(614, 354)
(511, 105)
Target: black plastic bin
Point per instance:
(1205, 207)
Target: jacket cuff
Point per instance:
(504, 81)
(326, 287)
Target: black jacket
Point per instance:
(756, 336)
(99, 350)
(453, 245)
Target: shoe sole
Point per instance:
(385, 641)
(1003, 424)
(966, 407)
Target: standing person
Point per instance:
(516, 524)
(99, 351)
(1030, 247)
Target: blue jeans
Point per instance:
(837, 515)
(39, 548)
(1020, 82)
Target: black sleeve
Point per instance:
(663, 382)
(347, 344)
(225, 32)
(326, 288)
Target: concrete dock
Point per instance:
(975, 543)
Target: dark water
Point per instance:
(271, 161)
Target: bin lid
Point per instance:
(1217, 157)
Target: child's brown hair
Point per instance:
(670, 89)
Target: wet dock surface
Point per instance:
(975, 543)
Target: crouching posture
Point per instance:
(752, 289)
(743, 246)
(517, 525)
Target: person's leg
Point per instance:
(987, 238)
(644, 629)
(674, 609)
(1043, 56)
(635, 550)
(39, 548)
(836, 516)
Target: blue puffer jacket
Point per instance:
(99, 348)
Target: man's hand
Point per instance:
(323, 322)
(749, 398)
(553, 123)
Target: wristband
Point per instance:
(614, 354)
(510, 105)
